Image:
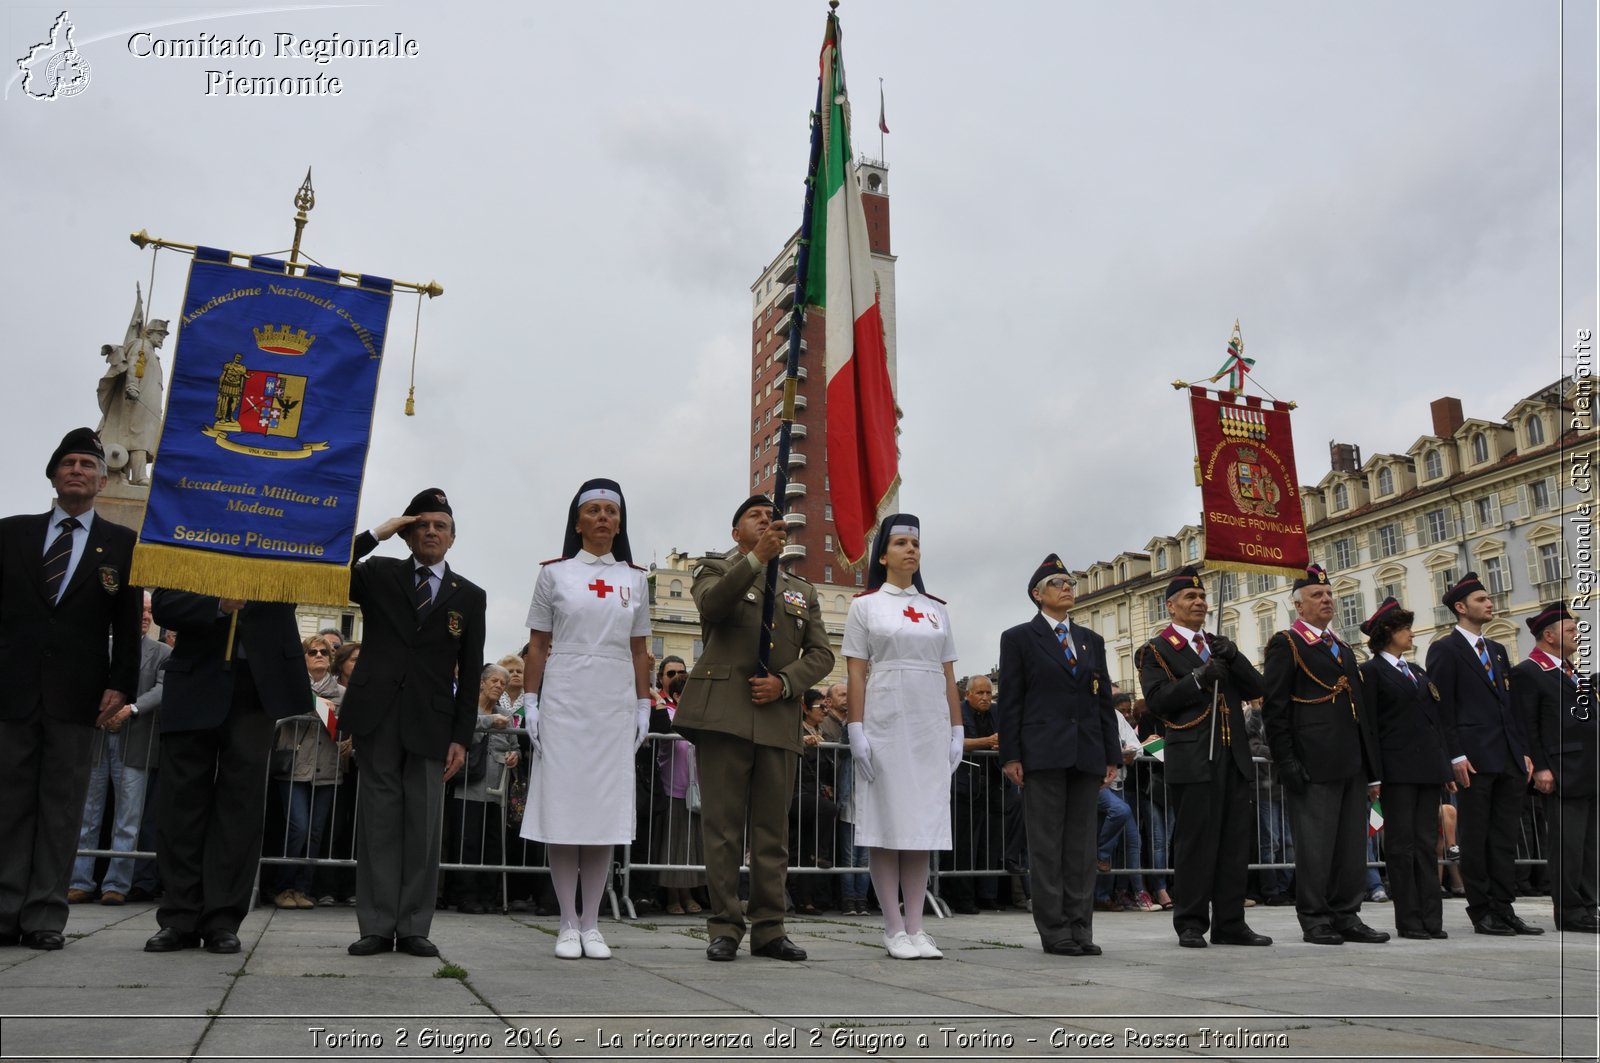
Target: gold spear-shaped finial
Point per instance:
(304, 200)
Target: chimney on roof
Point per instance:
(1345, 457)
(1446, 416)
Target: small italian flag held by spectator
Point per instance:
(325, 713)
(1375, 818)
(1156, 747)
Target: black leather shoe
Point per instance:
(1581, 925)
(1438, 933)
(1245, 936)
(1089, 948)
(1362, 934)
(723, 949)
(1065, 948)
(780, 949)
(1416, 935)
(44, 940)
(1192, 939)
(1517, 925)
(170, 940)
(1323, 935)
(416, 945)
(222, 942)
(370, 945)
(1492, 925)
(964, 908)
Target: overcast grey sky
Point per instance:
(1084, 195)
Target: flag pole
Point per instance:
(791, 379)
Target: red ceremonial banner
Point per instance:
(1245, 454)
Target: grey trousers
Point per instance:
(399, 827)
(1059, 810)
(44, 777)
(1330, 852)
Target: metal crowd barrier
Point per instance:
(987, 835)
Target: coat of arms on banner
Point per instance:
(1251, 486)
(263, 402)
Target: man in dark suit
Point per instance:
(1489, 757)
(235, 671)
(1059, 743)
(1326, 752)
(63, 589)
(411, 704)
(1558, 718)
(1197, 685)
(746, 728)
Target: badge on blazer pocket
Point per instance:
(1433, 690)
(453, 622)
(108, 579)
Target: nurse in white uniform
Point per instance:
(587, 706)
(905, 729)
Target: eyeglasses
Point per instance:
(318, 653)
(1057, 583)
(680, 671)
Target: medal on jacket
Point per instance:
(1096, 689)
(624, 592)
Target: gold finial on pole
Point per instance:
(304, 200)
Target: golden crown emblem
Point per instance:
(279, 340)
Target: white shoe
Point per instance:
(594, 945)
(568, 946)
(900, 947)
(925, 947)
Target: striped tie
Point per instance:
(1483, 659)
(58, 557)
(1407, 673)
(1332, 644)
(424, 596)
(1066, 647)
(1201, 648)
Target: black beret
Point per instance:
(1468, 586)
(1389, 608)
(1553, 613)
(77, 441)
(1314, 576)
(753, 500)
(1050, 566)
(431, 500)
(1187, 579)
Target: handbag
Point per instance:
(282, 763)
(691, 793)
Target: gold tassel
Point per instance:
(254, 579)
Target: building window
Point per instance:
(1535, 431)
(1391, 590)
(1496, 576)
(1161, 559)
(1341, 497)
(1550, 562)
(827, 543)
(1487, 511)
(1228, 586)
(860, 581)
(1432, 465)
(699, 648)
(1385, 481)
(1539, 495)
(1261, 583)
(1443, 580)
(1387, 541)
(1155, 607)
(1264, 628)
(658, 646)
(1194, 549)
(827, 511)
(1438, 526)
(1344, 554)
(1480, 448)
(827, 574)
(1350, 613)
(676, 590)
(755, 479)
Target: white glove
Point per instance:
(530, 717)
(860, 751)
(958, 739)
(643, 724)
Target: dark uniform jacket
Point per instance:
(1411, 729)
(411, 668)
(729, 592)
(198, 690)
(1558, 740)
(1315, 711)
(1477, 710)
(1050, 718)
(55, 655)
(1166, 664)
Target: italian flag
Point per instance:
(863, 458)
(1375, 818)
(325, 712)
(1156, 747)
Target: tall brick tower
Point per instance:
(810, 553)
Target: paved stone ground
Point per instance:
(499, 991)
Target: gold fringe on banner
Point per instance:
(254, 579)
(1245, 566)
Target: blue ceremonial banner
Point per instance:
(258, 474)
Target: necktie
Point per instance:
(1407, 673)
(1483, 659)
(1572, 676)
(58, 557)
(424, 595)
(1066, 647)
(1332, 643)
(1201, 648)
